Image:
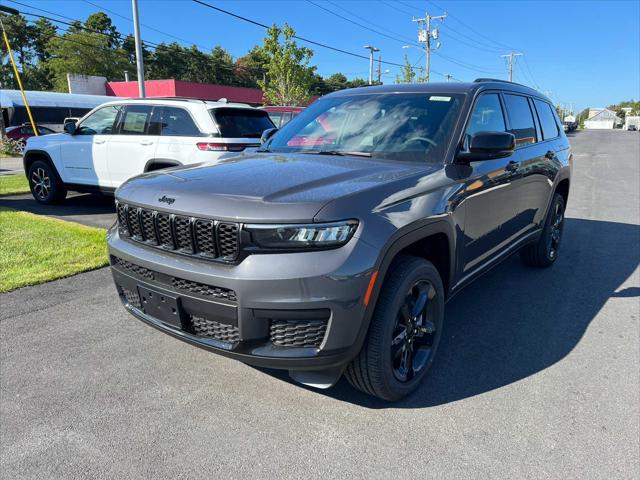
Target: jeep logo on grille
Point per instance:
(167, 200)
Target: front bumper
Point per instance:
(294, 311)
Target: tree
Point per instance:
(337, 81)
(101, 22)
(407, 75)
(251, 68)
(28, 44)
(289, 76)
(357, 82)
(84, 53)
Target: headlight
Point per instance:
(314, 235)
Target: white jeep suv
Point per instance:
(124, 138)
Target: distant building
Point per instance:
(631, 120)
(601, 119)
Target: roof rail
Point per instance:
(480, 80)
(194, 99)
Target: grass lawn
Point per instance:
(36, 249)
(13, 184)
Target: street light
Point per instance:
(371, 52)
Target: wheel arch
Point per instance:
(31, 156)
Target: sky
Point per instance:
(585, 53)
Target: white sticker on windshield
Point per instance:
(434, 98)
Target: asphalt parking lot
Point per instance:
(537, 375)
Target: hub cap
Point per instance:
(41, 183)
(555, 232)
(414, 332)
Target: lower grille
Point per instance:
(202, 289)
(176, 282)
(207, 328)
(132, 298)
(133, 268)
(297, 333)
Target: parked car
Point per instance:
(23, 132)
(632, 128)
(282, 115)
(121, 139)
(334, 247)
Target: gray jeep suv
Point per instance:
(334, 247)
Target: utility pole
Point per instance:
(139, 60)
(511, 56)
(426, 35)
(379, 68)
(371, 51)
(448, 76)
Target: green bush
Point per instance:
(10, 148)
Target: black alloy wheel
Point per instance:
(414, 332)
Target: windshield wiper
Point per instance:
(338, 153)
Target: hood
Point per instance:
(261, 187)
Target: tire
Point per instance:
(544, 252)
(45, 183)
(376, 370)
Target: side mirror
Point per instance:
(267, 134)
(70, 127)
(487, 146)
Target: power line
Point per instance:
(297, 37)
(407, 40)
(358, 24)
(145, 26)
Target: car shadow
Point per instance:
(88, 209)
(516, 321)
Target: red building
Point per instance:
(179, 88)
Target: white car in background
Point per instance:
(121, 139)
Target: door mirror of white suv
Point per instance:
(70, 128)
(267, 134)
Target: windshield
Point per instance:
(406, 127)
(241, 122)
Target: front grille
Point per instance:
(202, 289)
(297, 333)
(148, 226)
(131, 298)
(204, 327)
(199, 237)
(133, 268)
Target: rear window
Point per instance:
(241, 123)
(522, 125)
(547, 120)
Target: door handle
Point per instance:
(550, 154)
(146, 142)
(99, 141)
(512, 166)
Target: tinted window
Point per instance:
(241, 123)
(99, 122)
(547, 120)
(521, 119)
(135, 119)
(405, 127)
(177, 122)
(40, 115)
(78, 112)
(487, 115)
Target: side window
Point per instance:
(521, 119)
(99, 122)
(487, 115)
(547, 120)
(135, 119)
(178, 122)
(276, 118)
